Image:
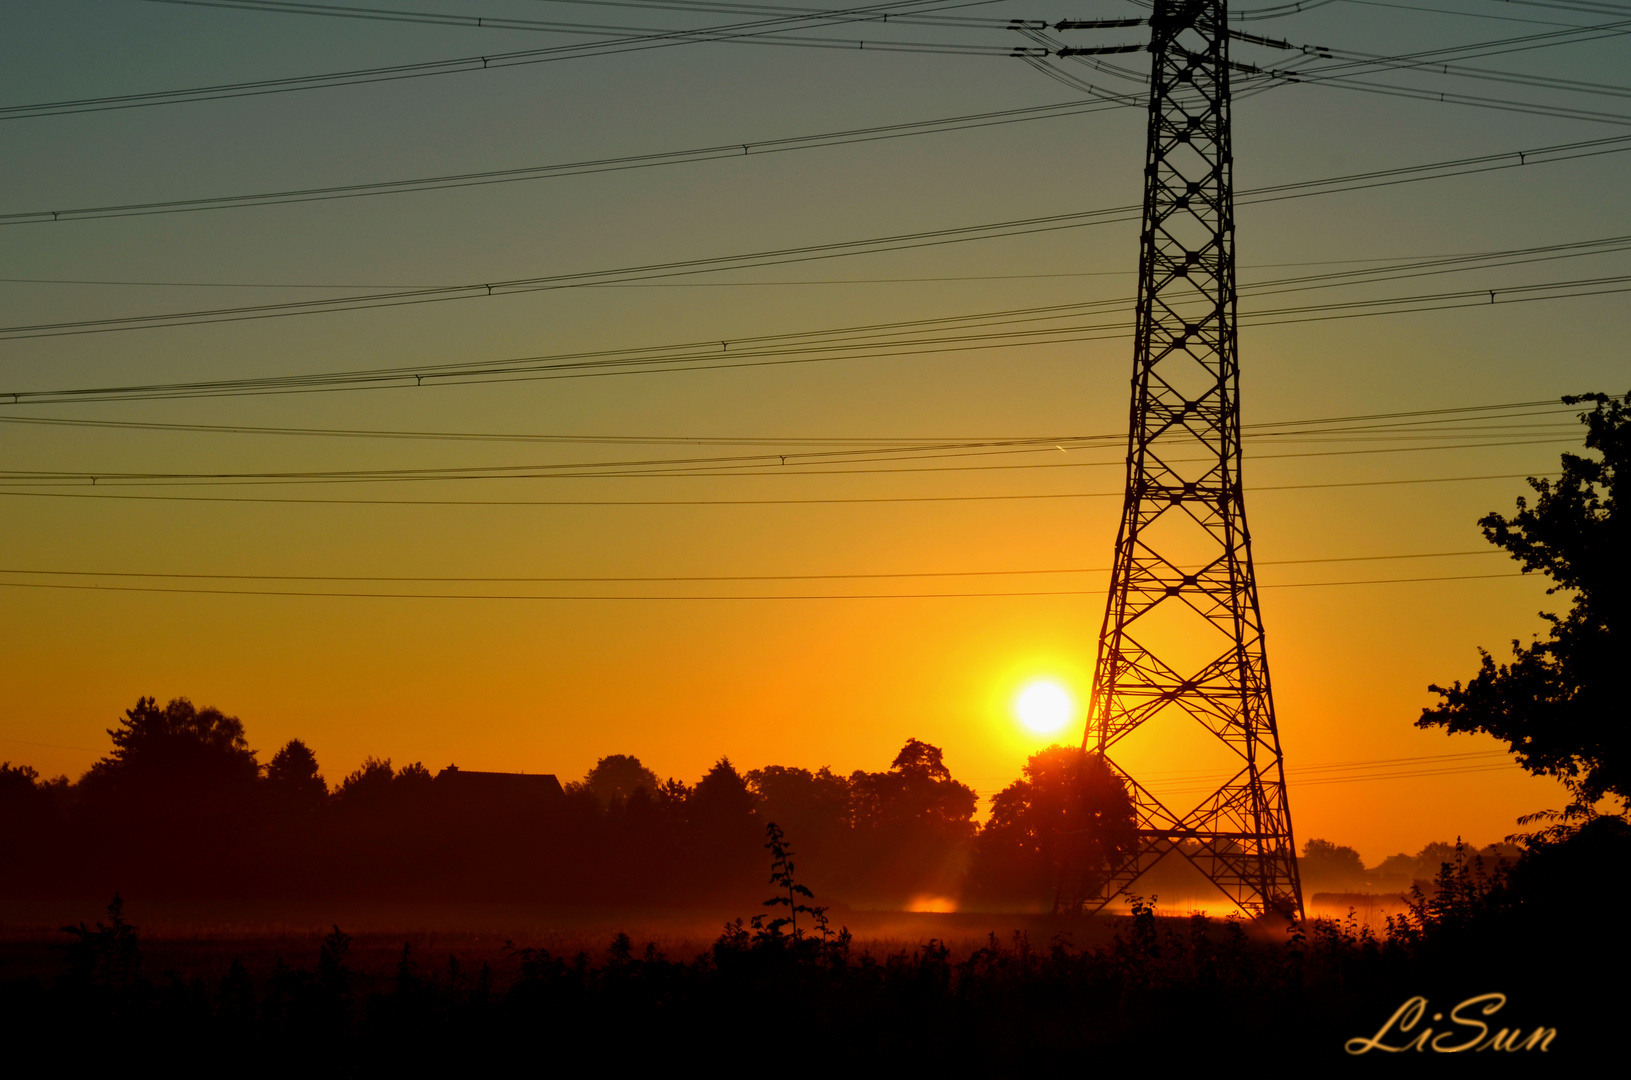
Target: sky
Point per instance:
(828, 656)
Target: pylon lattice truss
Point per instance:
(1183, 537)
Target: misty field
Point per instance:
(813, 988)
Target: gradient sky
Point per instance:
(550, 685)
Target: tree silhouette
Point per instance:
(913, 824)
(367, 785)
(1560, 703)
(1332, 865)
(919, 760)
(293, 779)
(171, 802)
(722, 795)
(616, 776)
(177, 748)
(1068, 804)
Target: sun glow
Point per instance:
(1044, 706)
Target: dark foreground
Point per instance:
(765, 1000)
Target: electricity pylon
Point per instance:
(1183, 547)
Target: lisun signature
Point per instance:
(1469, 1032)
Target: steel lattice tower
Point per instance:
(1183, 537)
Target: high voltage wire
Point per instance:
(1447, 97)
(1427, 58)
(1432, 67)
(1438, 61)
(1270, 77)
(104, 493)
(1272, 11)
(425, 69)
(817, 252)
(850, 453)
(1262, 430)
(752, 32)
(1346, 771)
(354, 286)
(698, 469)
(874, 13)
(541, 172)
(811, 349)
(1435, 61)
(1464, 757)
(1425, 9)
(577, 168)
(1293, 776)
(976, 22)
(358, 595)
(701, 577)
(774, 32)
(1584, 6)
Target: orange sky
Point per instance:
(552, 684)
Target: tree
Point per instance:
(722, 796)
(367, 785)
(912, 825)
(616, 776)
(1068, 805)
(293, 779)
(917, 792)
(1560, 704)
(1333, 865)
(812, 806)
(173, 806)
(174, 756)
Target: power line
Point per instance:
(1363, 60)
(335, 594)
(834, 501)
(1307, 776)
(1404, 421)
(425, 69)
(1423, 9)
(816, 351)
(964, 21)
(874, 14)
(576, 168)
(784, 461)
(814, 252)
(1433, 61)
(697, 577)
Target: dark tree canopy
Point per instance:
(369, 783)
(1068, 807)
(177, 749)
(1561, 702)
(292, 774)
(916, 792)
(920, 760)
(615, 777)
(722, 795)
(1329, 865)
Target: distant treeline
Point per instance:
(1333, 867)
(183, 807)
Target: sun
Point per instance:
(1044, 706)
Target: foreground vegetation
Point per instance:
(788, 991)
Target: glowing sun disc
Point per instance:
(1044, 706)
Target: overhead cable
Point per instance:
(376, 595)
(424, 69)
(575, 168)
(818, 252)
